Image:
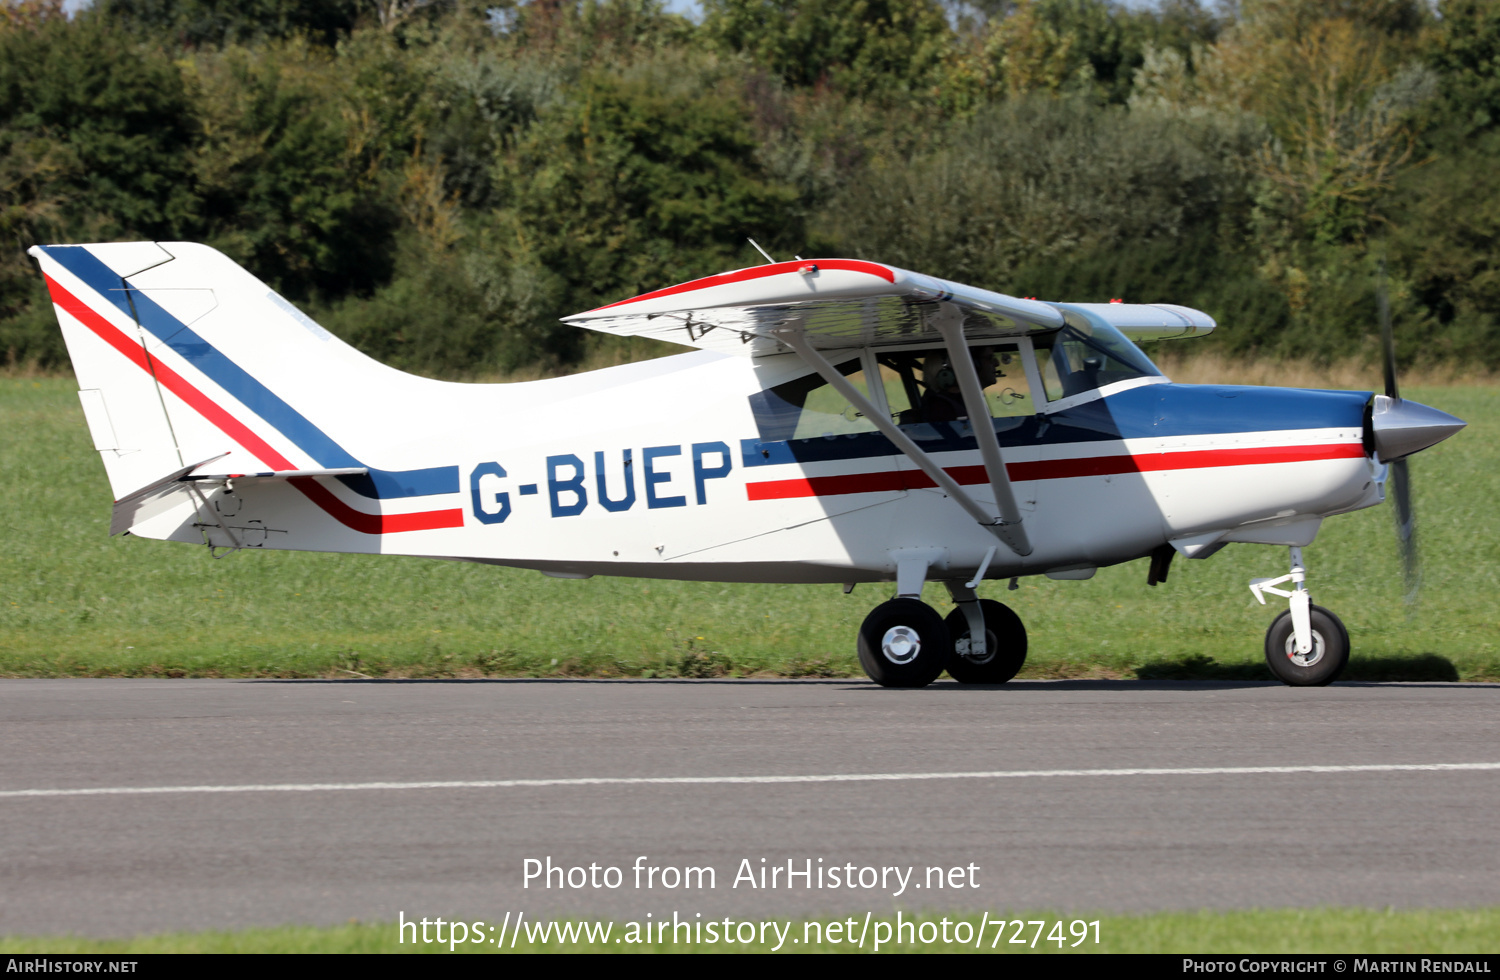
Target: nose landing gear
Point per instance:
(1306, 646)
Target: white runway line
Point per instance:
(873, 777)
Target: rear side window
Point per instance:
(809, 408)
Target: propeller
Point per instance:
(1400, 474)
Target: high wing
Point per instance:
(847, 303)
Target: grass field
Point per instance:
(75, 602)
(1362, 931)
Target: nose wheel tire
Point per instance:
(903, 643)
(1321, 665)
(1004, 652)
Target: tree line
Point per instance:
(438, 181)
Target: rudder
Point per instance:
(125, 412)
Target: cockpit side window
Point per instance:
(922, 387)
(1075, 360)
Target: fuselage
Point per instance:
(663, 469)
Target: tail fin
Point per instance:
(184, 356)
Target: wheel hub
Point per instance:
(901, 644)
(965, 648)
(1309, 658)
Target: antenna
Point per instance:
(761, 251)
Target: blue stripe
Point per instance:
(251, 393)
(1151, 411)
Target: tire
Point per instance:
(1330, 653)
(1005, 645)
(903, 643)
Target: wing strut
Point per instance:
(950, 323)
(1011, 534)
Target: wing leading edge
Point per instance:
(847, 303)
(840, 303)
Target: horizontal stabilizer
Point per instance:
(166, 493)
(273, 475)
(153, 499)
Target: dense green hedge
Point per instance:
(440, 181)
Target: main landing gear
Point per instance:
(905, 643)
(1306, 646)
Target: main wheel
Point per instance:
(1326, 660)
(1004, 650)
(903, 643)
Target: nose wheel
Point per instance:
(1318, 666)
(1306, 646)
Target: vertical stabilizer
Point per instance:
(183, 356)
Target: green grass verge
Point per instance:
(1327, 930)
(75, 602)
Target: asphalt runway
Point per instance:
(304, 848)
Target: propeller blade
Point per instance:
(1406, 528)
(1387, 337)
(1400, 476)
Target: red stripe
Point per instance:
(1051, 469)
(760, 272)
(236, 430)
(833, 486)
(130, 348)
(358, 520)
(1059, 469)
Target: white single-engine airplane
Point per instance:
(842, 421)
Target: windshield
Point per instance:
(1083, 357)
